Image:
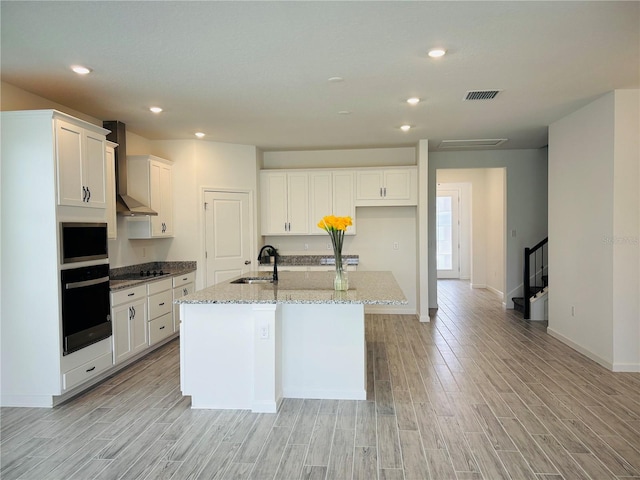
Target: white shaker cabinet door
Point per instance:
(298, 203)
(71, 190)
(94, 168)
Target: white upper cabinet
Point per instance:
(110, 182)
(80, 156)
(387, 186)
(150, 180)
(285, 203)
(331, 193)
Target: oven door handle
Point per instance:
(86, 283)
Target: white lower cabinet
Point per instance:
(85, 372)
(84, 364)
(129, 319)
(182, 285)
(160, 328)
(160, 310)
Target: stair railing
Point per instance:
(533, 256)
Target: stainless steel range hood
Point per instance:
(125, 205)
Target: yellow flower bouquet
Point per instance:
(335, 227)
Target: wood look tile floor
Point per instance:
(478, 393)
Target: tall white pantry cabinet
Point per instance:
(53, 170)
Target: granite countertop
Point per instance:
(369, 288)
(128, 277)
(311, 260)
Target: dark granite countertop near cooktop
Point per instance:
(127, 277)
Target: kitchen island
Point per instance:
(248, 346)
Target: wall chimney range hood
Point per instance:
(125, 205)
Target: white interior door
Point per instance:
(227, 235)
(447, 236)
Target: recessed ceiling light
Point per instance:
(199, 134)
(336, 79)
(413, 100)
(80, 70)
(155, 109)
(405, 128)
(344, 112)
(437, 52)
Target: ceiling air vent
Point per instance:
(479, 143)
(481, 94)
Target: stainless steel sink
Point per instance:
(253, 280)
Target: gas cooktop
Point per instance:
(142, 275)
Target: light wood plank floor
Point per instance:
(476, 394)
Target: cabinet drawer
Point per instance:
(159, 286)
(84, 372)
(180, 280)
(160, 304)
(128, 295)
(160, 328)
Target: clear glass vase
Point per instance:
(341, 280)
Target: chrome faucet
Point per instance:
(274, 252)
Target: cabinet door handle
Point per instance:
(184, 291)
(160, 304)
(130, 294)
(89, 194)
(380, 191)
(134, 312)
(385, 191)
(161, 328)
(84, 193)
(130, 314)
(91, 369)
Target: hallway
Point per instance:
(476, 394)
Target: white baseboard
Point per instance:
(496, 291)
(478, 285)
(388, 310)
(626, 367)
(579, 348)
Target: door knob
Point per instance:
(247, 262)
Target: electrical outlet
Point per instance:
(306, 246)
(264, 332)
(396, 246)
(328, 246)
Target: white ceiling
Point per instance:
(257, 72)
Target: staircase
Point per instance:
(534, 278)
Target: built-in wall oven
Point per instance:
(86, 310)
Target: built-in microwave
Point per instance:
(83, 241)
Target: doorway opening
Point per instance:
(471, 227)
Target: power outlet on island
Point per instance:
(264, 332)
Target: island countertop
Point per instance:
(368, 288)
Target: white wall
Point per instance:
(356, 157)
(197, 164)
(14, 98)
(526, 200)
(495, 232)
(626, 231)
(594, 230)
(378, 227)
